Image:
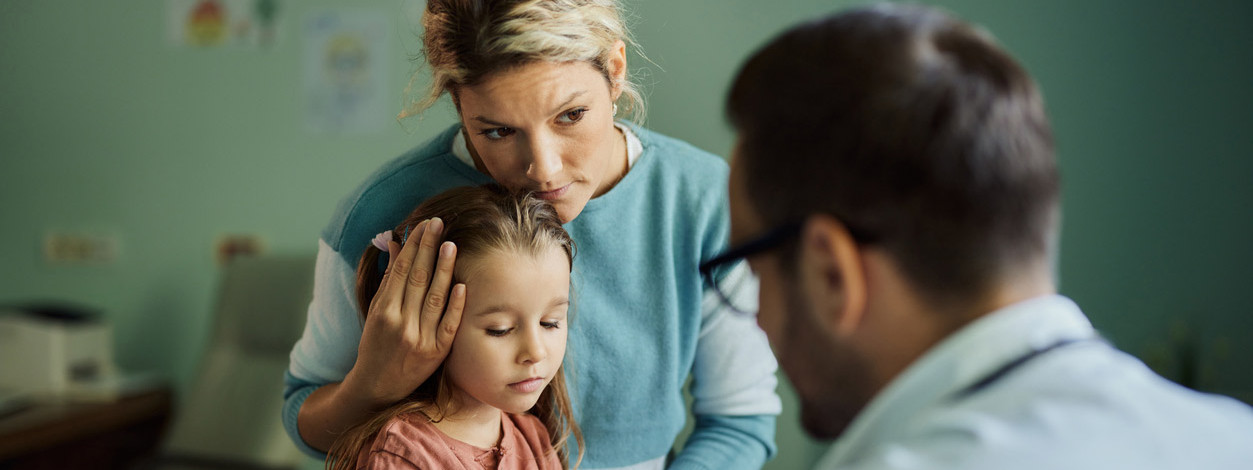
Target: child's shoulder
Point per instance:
(528, 424)
(411, 439)
(414, 421)
(529, 433)
(407, 427)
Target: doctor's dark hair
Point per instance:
(480, 220)
(913, 129)
(464, 41)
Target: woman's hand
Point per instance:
(408, 331)
(407, 334)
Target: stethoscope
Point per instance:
(1000, 373)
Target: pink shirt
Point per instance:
(410, 441)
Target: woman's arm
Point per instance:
(733, 385)
(329, 411)
(404, 339)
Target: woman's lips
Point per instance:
(554, 194)
(528, 385)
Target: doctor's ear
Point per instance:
(831, 274)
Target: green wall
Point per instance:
(109, 129)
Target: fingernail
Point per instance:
(435, 226)
(446, 249)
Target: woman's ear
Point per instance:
(831, 274)
(616, 67)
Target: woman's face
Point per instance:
(512, 337)
(547, 127)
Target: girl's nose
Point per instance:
(533, 347)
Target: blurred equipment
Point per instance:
(53, 352)
(63, 403)
(230, 418)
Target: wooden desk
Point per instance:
(85, 435)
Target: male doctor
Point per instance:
(894, 187)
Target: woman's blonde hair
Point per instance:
(479, 220)
(467, 40)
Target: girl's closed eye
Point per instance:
(498, 331)
(552, 325)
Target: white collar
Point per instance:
(956, 362)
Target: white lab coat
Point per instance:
(1080, 405)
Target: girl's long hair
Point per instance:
(478, 220)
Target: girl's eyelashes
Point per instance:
(572, 116)
(550, 325)
(496, 133)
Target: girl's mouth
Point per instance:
(528, 385)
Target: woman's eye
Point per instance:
(572, 116)
(500, 332)
(552, 325)
(496, 133)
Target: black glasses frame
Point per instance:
(769, 241)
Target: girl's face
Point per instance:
(548, 127)
(512, 337)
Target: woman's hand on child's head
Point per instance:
(412, 319)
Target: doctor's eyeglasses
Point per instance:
(715, 271)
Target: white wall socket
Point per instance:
(62, 247)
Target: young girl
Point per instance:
(499, 399)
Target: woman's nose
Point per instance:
(545, 163)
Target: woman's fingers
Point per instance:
(405, 316)
(437, 294)
(392, 289)
(416, 288)
(421, 269)
(452, 318)
(393, 250)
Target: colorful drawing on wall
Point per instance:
(345, 71)
(266, 14)
(206, 25)
(216, 23)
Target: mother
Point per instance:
(536, 84)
